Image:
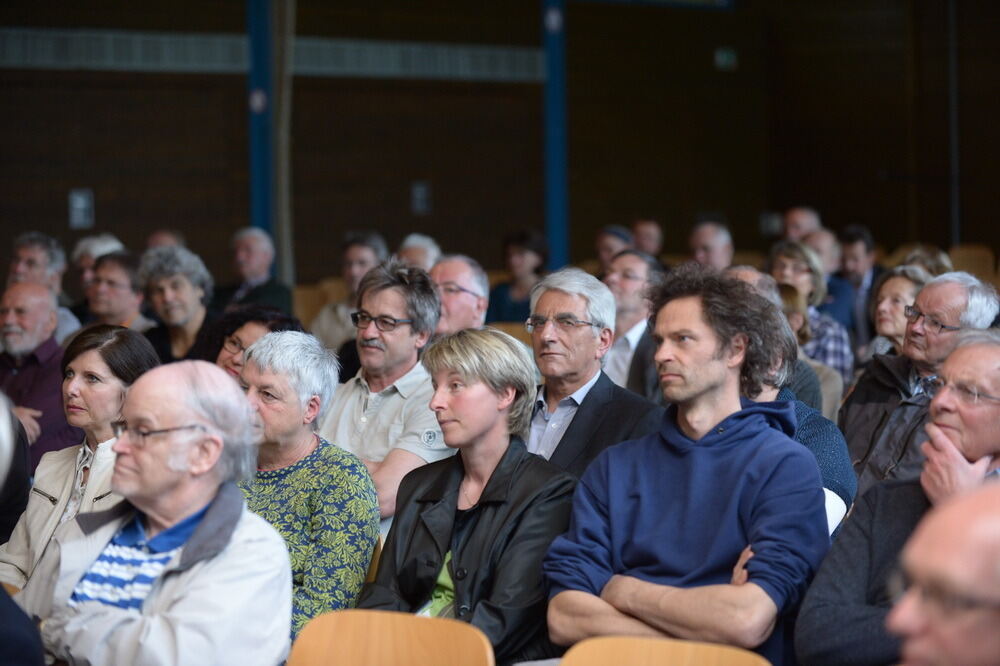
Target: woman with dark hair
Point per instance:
(525, 255)
(239, 328)
(99, 364)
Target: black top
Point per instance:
(14, 493)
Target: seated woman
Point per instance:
(470, 532)
(895, 290)
(525, 254)
(319, 497)
(98, 365)
(239, 328)
(796, 311)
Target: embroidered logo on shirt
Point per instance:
(429, 438)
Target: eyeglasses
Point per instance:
(139, 436)
(940, 602)
(384, 323)
(566, 322)
(452, 289)
(913, 314)
(233, 345)
(967, 393)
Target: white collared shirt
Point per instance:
(619, 358)
(547, 430)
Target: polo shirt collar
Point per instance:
(405, 385)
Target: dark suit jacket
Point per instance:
(608, 415)
(642, 377)
(271, 293)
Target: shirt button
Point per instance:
(461, 573)
(463, 610)
(364, 419)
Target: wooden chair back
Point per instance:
(376, 638)
(307, 301)
(633, 651)
(974, 258)
(515, 329)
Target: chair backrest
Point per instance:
(975, 258)
(375, 638)
(307, 301)
(373, 565)
(515, 329)
(649, 651)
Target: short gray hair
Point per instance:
(423, 305)
(171, 260)
(309, 367)
(423, 241)
(721, 230)
(53, 250)
(978, 336)
(764, 284)
(96, 246)
(573, 281)
(257, 234)
(478, 274)
(217, 401)
(981, 305)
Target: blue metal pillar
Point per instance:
(260, 91)
(556, 182)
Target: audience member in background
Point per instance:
(796, 311)
(40, 259)
(895, 291)
(31, 370)
(472, 530)
(839, 299)
(464, 290)
(419, 250)
(711, 244)
(198, 579)
(319, 497)
(842, 620)
(239, 328)
(525, 255)
(84, 257)
(20, 644)
(253, 256)
(796, 264)
(381, 415)
(165, 238)
(629, 362)
(628, 566)
(950, 593)
(932, 259)
(98, 367)
(883, 418)
(611, 240)
(361, 251)
(579, 411)
(179, 287)
(114, 296)
(859, 268)
(800, 221)
(804, 382)
(15, 488)
(648, 236)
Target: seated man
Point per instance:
(647, 234)
(180, 571)
(319, 497)
(419, 250)
(114, 295)
(253, 255)
(883, 418)
(40, 259)
(839, 300)
(950, 601)
(179, 287)
(652, 542)
(464, 290)
(711, 244)
(850, 592)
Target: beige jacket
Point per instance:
(54, 480)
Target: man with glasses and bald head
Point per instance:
(842, 620)
(381, 414)
(883, 418)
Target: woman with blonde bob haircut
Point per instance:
(468, 539)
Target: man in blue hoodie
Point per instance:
(658, 537)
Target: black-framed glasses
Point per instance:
(912, 314)
(938, 600)
(138, 436)
(233, 345)
(453, 289)
(384, 323)
(566, 322)
(967, 393)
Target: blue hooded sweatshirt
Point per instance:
(674, 511)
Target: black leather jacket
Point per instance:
(497, 570)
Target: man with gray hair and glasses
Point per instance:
(40, 259)
(842, 620)
(883, 418)
(579, 411)
(381, 414)
(180, 571)
(464, 290)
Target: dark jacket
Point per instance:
(15, 489)
(608, 415)
(497, 570)
(842, 619)
(642, 376)
(271, 293)
(883, 423)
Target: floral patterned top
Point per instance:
(326, 509)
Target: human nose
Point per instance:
(906, 617)
(438, 399)
(664, 352)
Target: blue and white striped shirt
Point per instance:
(125, 571)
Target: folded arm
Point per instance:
(574, 615)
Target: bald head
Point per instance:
(825, 244)
(800, 222)
(711, 245)
(27, 317)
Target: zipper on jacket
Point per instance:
(100, 497)
(44, 494)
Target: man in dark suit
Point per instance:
(579, 411)
(253, 254)
(860, 269)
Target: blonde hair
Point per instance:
(494, 358)
(801, 252)
(794, 302)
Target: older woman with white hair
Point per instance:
(470, 532)
(319, 497)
